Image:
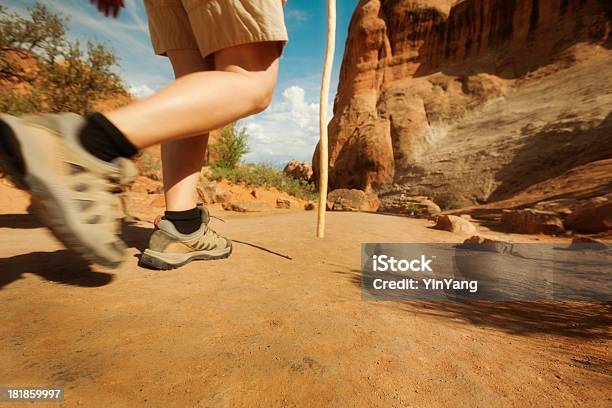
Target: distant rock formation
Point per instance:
(298, 170)
(470, 101)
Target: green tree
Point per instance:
(43, 71)
(230, 147)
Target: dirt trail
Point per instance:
(261, 330)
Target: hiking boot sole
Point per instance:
(160, 260)
(52, 211)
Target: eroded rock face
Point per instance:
(592, 217)
(211, 193)
(530, 221)
(454, 223)
(482, 243)
(414, 206)
(352, 200)
(588, 243)
(283, 202)
(460, 100)
(298, 170)
(146, 185)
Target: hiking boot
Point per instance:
(42, 154)
(169, 249)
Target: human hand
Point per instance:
(108, 7)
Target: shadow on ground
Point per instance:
(569, 319)
(135, 236)
(61, 266)
(19, 221)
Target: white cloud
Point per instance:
(132, 9)
(108, 28)
(294, 106)
(288, 129)
(297, 15)
(140, 91)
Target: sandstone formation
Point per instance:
(146, 185)
(212, 155)
(482, 243)
(414, 206)
(212, 193)
(530, 221)
(452, 223)
(470, 101)
(581, 186)
(283, 202)
(352, 200)
(298, 170)
(141, 205)
(592, 217)
(581, 243)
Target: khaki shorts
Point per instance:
(212, 25)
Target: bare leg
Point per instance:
(182, 159)
(199, 102)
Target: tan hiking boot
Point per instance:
(42, 154)
(169, 249)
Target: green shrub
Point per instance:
(230, 147)
(53, 73)
(16, 104)
(412, 208)
(262, 175)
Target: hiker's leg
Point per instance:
(182, 159)
(199, 102)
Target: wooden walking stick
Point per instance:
(323, 149)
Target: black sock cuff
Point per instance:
(186, 215)
(125, 147)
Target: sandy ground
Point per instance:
(261, 330)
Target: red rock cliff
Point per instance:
(414, 71)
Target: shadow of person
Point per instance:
(19, 221)
(61, 266)
(23, 221)
(134, 235)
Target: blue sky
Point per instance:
(289, 128)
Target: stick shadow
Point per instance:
(575, 319)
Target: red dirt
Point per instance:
(261, 330)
